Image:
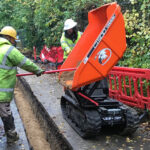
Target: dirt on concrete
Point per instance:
(34, 132)
(66, 79)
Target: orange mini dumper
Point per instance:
(86, 104)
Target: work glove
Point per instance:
(40, 73)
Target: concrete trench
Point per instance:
(44, 95)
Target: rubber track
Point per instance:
(132, 121)
(91, 124)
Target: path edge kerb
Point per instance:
(51, 131)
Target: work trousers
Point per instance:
(7, 117)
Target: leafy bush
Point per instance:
(40, 22)
(137, 34)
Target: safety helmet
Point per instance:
(10, 31)
(69, 23)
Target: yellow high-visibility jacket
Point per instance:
(10, 59)
(67, 44)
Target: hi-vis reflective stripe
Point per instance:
(7, 67)
(6, 90)
(70, 45)
(6, 55)
(3, 65)
(23, 62)
(64, 42)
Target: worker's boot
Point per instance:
(12, 136)
(9, 127)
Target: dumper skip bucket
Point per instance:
(99, 48)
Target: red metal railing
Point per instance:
(130, 86)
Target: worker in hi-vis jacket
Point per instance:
(70, 36)
(10, 59)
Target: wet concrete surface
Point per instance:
(22, 144)
(48, 92)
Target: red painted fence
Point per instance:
(130, 86)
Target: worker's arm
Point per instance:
(65, 47)
(19, 60)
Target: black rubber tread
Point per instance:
(132, 121)
(87, 123)
(93, 119)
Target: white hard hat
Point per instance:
(69, 23)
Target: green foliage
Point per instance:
(51, 14)
(137, 34)
(6, 8)
(40, 22)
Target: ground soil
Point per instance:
(34, 132)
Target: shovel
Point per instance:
(47, 72)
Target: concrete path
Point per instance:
(22, 144)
